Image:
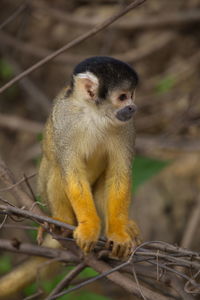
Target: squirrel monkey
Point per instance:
(85, 171)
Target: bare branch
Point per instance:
(24, 248)
(36, 295)
(17, 183)
(16, 13)
(9, 210)
(22, 197)
(121, 280)
(66, 281)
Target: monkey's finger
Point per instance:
(122, 250)
(128, 251)
(88, 246)
(80, 243)
(132, 233)
(85, 247)
(115, 249)
(108, 244)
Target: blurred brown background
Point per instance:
(161, 40)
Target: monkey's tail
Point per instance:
(26, 272)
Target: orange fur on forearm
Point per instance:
(118, 203)
(81, 199)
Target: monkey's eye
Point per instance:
(122, 97)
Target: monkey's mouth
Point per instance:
(126, 113)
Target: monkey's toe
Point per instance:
(86, 237)
(86, 246)
(133, 229)
(122, 250)
(121, 244)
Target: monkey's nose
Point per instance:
(132, 108)
(126, 113)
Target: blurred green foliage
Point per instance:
(6, 71)
(5, 263)
(144, 168)
(88, 272)
(165, 85)
(40, 137)
(37, 161)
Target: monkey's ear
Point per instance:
(86, 84)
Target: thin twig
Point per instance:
(123, 281)
(138, 284)
(30, 188)
(18, 182)
(35, 295)
(17, 246)
(28, 214)
(22, 197)
(3, 222)
(17, 12)
(66, 281)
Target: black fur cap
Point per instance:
(111, 73)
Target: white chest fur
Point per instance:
(92, 128)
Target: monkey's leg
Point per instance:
(121, 231)
(99, 194)
(79, 193)
(59, 203)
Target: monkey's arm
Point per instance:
(120, 230)
(80, 195)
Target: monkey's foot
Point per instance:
(123, 240)
(60, 230)
(86, 236)
(51, 228)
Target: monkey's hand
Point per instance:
(123, 237)
(87, 234)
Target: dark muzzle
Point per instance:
(126, 113)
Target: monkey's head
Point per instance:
(107, 85)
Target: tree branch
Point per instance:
(16, 246)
